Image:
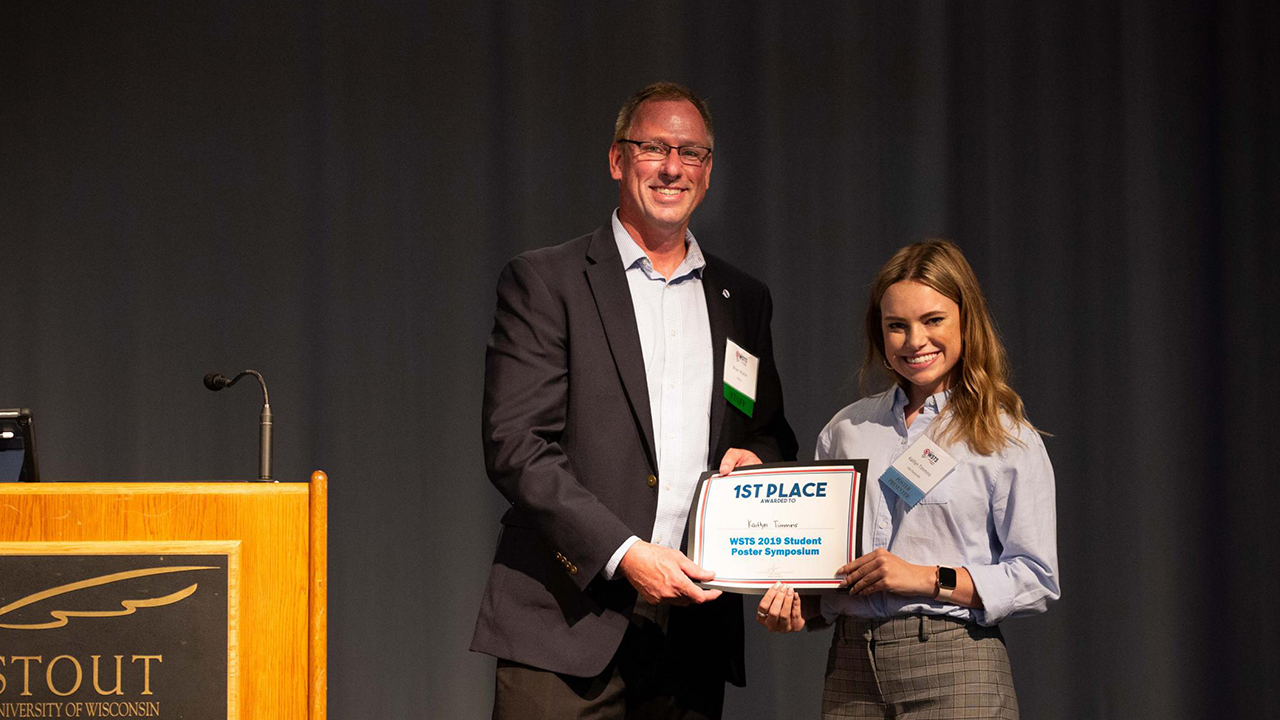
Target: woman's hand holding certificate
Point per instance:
(783, 610)
(882, 571)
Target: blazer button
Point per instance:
(573, 569)
(653, 481)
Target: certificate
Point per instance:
(792, 522)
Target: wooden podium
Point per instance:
(276, 535)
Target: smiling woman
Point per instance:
(934, 280)
(918, 631)
(921, 329)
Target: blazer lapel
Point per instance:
(608, 282)
(721, 319)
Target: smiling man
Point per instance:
(604, 402)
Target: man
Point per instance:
(603, 404)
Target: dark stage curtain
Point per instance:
(326, 191)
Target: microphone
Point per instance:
(216, 381)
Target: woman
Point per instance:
(916, 634)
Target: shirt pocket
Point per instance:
(931, 522)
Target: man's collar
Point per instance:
(632, 254)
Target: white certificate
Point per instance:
(792, 522)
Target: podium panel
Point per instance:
(85, 560)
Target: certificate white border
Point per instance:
(857, 492)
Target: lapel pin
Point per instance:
(726, 293)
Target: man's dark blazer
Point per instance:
(568, 440)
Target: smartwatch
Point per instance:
(946, 583)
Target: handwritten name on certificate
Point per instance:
(787, 521)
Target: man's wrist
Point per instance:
(610, 569)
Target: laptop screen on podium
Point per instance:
(17, 447)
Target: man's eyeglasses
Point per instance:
(658, 150)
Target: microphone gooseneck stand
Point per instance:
(216, 381)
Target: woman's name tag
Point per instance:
(917, 470)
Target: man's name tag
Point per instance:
(740, 371)
(917, 470)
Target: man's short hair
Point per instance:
(661, 91)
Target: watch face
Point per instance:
(947, 577)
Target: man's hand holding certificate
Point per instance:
(789, 522)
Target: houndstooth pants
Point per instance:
(916, 667)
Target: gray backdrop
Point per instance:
(325, 192)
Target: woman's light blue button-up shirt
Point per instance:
(993, 515)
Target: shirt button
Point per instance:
(653, 481)
(657, 541)
(671, 385)
(881, 525)
(673, 333)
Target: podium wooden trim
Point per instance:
(282, 531)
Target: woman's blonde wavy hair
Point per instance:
(981, 397)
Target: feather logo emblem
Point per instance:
(128, 607)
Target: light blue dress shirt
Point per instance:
(993, 515)
(675, 338)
